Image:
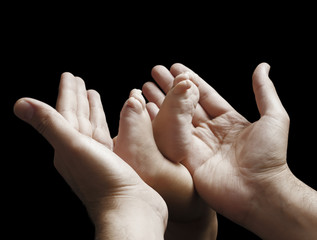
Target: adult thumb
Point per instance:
(265, 93)
(46, 120)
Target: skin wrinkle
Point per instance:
(239, 168)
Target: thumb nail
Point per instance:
(23, 110)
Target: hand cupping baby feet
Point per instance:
(136, 145)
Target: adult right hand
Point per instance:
(239, 168)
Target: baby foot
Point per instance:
(136, 145)
(173, 124)
(133, 143)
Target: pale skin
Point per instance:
(279, 194)
(189, 216)
(241, 169)
(84, 150)
(135, 143)
(118, 201)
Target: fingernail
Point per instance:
(23, 110)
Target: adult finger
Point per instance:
(162, 77)
(210, 100)
(47, 121)
(100, 130)
(153, 93)
(66, 103)
(266, 96)
(83, 111)
(152, 109)
(166, 81)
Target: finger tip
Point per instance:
(156, 70)
(264, 66)
(176, 65)
(145, 86)
(23, 109)
(261, 70)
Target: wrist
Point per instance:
(284, 208)
(130, 219)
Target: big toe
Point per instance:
(184, 97)
(135, 103)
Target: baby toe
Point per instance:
(182, 87)
(186, 76)
(136, 101)
(184, 97)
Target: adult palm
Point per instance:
(230, 159)
(78, 131)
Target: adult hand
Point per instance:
(239, 168)
(110, 189)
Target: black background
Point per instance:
(113, 49)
